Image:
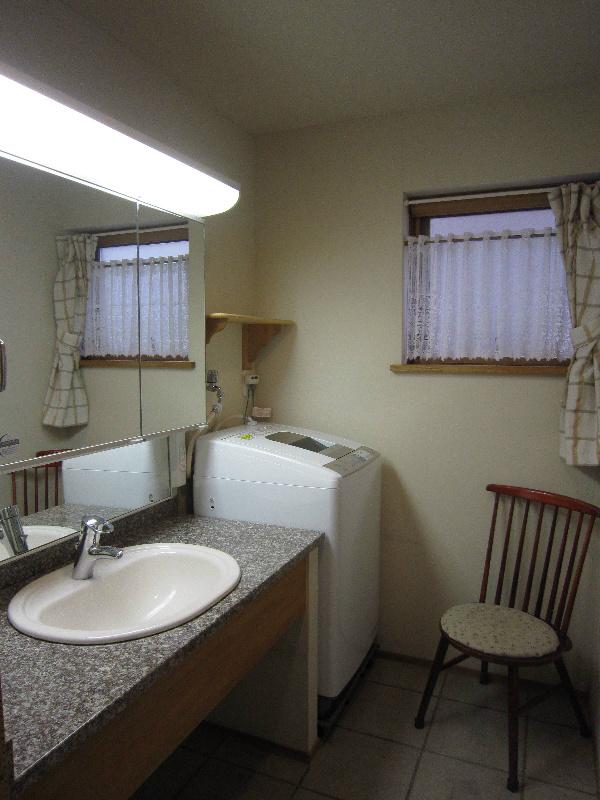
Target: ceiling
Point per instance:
(276, 64)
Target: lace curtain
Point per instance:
(112, 318)
(490, 297)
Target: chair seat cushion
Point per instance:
(499, 631)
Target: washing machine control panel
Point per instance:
(353, 461)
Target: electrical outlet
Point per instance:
(249, 378)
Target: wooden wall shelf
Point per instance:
(146, 363)
(256, 332)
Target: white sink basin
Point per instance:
(153, 587)
(42, 534)
(37, 535)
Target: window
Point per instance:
(111, 330)
(485, 284)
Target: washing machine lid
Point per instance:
(279, 454)
(308, 442)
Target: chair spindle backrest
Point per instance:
(558, 594)
(51, 474)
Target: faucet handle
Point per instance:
(95, 525)
(86, 553)
(105, 526)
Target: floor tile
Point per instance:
(171, 776)
(305, 794)
(385, 711)
(463, 685)
(262, 757)
(217, 780)
(556, 709)
(560, 756)
(442, 778)
(543, 791)
(471, 733)
(206, 738)
(352, 766)
(404, 674)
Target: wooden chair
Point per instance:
(51, 485)
(525, 625)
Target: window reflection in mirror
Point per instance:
(53, 498)
(163, 296)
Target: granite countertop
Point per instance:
(55, 695)
(69, 515)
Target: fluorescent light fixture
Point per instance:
(49, 135)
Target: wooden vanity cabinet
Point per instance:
(115, 760)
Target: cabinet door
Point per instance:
(171, 280)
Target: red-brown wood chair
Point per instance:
(522, 625)
(48, 485)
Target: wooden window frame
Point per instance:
(149, 236)
(420, 216)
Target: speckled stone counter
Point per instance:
(69, 515)
(56, 695)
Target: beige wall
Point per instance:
(329, 255)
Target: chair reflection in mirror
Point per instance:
(37, 488)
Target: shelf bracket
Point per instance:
(214, 326)
(254, 338)
(257, 332)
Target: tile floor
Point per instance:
(376, 753)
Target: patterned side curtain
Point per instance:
(577, 211)
(66, 402)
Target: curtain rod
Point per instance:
(444, 239)
(420, 200)
(131, 262)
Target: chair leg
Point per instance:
(438, 663)
(484, 677)
(512, 783)
(565, 679)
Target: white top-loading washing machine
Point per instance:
(299, 478)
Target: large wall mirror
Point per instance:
(138, 370)
(47, 222)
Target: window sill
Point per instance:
(480, 369)
(133, 363)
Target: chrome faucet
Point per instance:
(88, 548)
(10, 524)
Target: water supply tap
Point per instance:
(10, 524)
(212, 385)
(88, 548)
